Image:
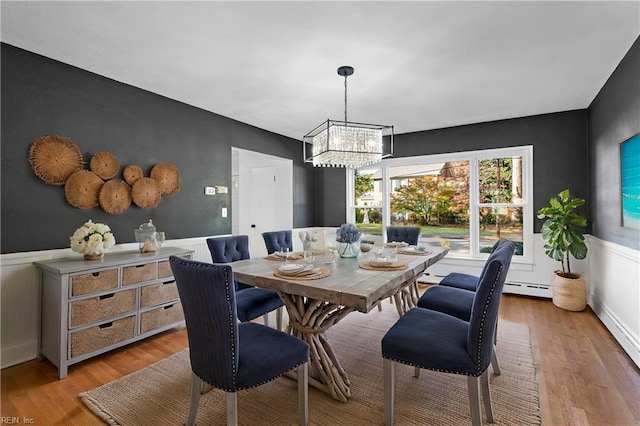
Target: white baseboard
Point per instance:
(19, 353)
(617, 328)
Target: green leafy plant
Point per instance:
(560, 231)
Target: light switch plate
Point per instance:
(209, 190)
(224, 212)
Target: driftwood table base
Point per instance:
(309, 320)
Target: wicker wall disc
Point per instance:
(115, 197)
(82, 189)
(145, 192)
(168, 177)
(104, 164)
(54, 158)
(132, 173)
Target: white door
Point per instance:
(263, 209)
(264, 195)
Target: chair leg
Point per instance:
(486, 396)
(232, 408)
(494, 363)
(379, 306)
(279, 318)
(265, 319)
(303, 394)
(389, 383)
(416, 372)
(196, 387)
(473, 383)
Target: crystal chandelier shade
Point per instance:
(345, 144)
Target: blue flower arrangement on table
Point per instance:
(347, 237)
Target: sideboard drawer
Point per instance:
(94, 282)
(164, 268)
(156, 294)
(139, 273)
(160, 317)
(101, 336)
(102, 307)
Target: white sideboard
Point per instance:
(89, 307)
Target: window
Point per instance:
(467, 200)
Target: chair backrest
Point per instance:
(229, 249)
(276, 240)
(484, 312)
(408, 234)
(209, 304)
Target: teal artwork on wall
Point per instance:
(630, 182)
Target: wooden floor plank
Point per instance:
(584, 376)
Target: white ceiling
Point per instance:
(418, 65)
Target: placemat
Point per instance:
(292, 256)
(319, 272)
(395, 266)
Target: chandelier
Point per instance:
(344, 144)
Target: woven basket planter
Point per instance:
(569, 294)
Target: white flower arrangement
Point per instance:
(92, 238)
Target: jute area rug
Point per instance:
(159, 394)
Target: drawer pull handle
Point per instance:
(140, 266)
(168, 307)
(107, 325)
(106, 296)
(96, 274)
(169, 282)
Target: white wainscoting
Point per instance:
(612, 274)
(614, 292)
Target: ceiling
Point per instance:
(418, 65)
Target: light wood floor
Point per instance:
(584, 376)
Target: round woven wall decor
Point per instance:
(132, 173)
(82, 189)
(115, 197)
(145, 193)
(168, 177)
(104, 164)
(54, 158)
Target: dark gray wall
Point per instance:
(41, 97)
(614, 116)
(559, 149)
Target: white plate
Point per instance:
(417, 249)
(381, 261)
(281, 254)
(291, 267)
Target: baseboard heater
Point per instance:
(528, 289)
(511, 287)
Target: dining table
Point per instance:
(319, 300)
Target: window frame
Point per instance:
(473, 157)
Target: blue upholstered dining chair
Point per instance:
(277, 240)
(251, 302)
(228, 355)
(457, 300)
(466, 281)
(407, 234)
(433, 340)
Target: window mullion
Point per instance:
(474, 199)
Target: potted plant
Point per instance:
(564, 240)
